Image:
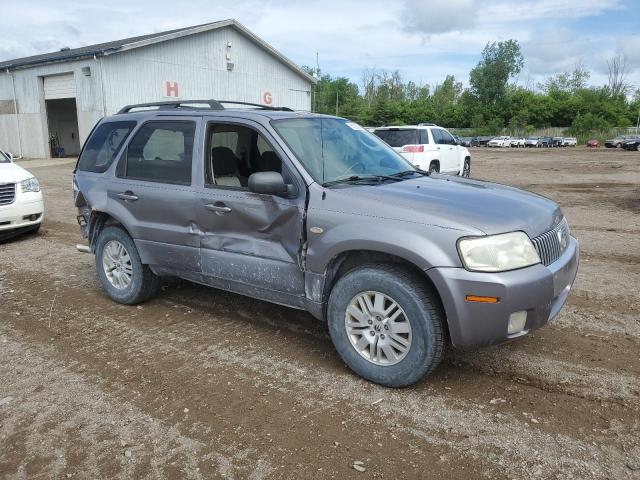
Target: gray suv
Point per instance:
(315, 213)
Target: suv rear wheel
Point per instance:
(386, 324)
(434, 167)
(121, 273)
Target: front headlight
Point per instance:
(30, 185)
(498, 253)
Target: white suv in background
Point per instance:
(569, 142)
(428, 147)
(21, 206)
(499, 142)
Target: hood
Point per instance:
(461, 203)
(12, 173)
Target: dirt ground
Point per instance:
(199, 383)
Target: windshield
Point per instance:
(4, 158)
(398, 137)
(333, 148)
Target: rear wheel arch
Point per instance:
(435, 163)
(97, 222)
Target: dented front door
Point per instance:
(251, 243)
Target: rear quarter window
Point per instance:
(103, 146)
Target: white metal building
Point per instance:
(57, 98)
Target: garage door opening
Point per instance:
(62, 118)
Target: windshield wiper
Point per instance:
(410, 172)
(360, 178)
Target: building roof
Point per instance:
(125, 44)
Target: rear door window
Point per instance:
(161, 151)
(103, 146)
(399, 137)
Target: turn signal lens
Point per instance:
(481, 299)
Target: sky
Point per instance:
(424, 39)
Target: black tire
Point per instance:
(466, 168)
(423, 311)
(144, 283)
(433, 167)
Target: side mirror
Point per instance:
(270, 183)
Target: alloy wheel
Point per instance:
(378, 328)
(117, 266)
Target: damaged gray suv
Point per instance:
(315, 213)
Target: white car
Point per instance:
(501, 141)
(517, 142)
(428, 147)
(569, 141)
(21, 205)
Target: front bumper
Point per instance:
(540, 291)
(17, 214)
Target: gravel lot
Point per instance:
(199, 383)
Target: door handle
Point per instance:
(222, 208)
(128, 196)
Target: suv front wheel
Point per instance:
(122, 275)
(386, 324)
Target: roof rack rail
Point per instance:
(257, 105)
(427, 124)
(176, 104)
(193, 105)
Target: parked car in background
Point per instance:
(428, 147)
(517, 142)
(545, 141)
(632, 144)
(21, 205)
(501, 141)
(532, 142)
(618, 141)
(569, 142)
(557, 141)
(465, 141)
(315, 213)
(484, 140)
(593, 143)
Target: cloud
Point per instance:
(424, 39)
(629, 46)
(438, 16)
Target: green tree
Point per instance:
(500, 62)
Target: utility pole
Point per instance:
(638, 122)
(337, 103)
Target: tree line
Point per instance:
(493, 103)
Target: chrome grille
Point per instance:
(552, 244)
(7, 193)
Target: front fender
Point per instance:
(421, 245)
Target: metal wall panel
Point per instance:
(29, 87)
(197, 66)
